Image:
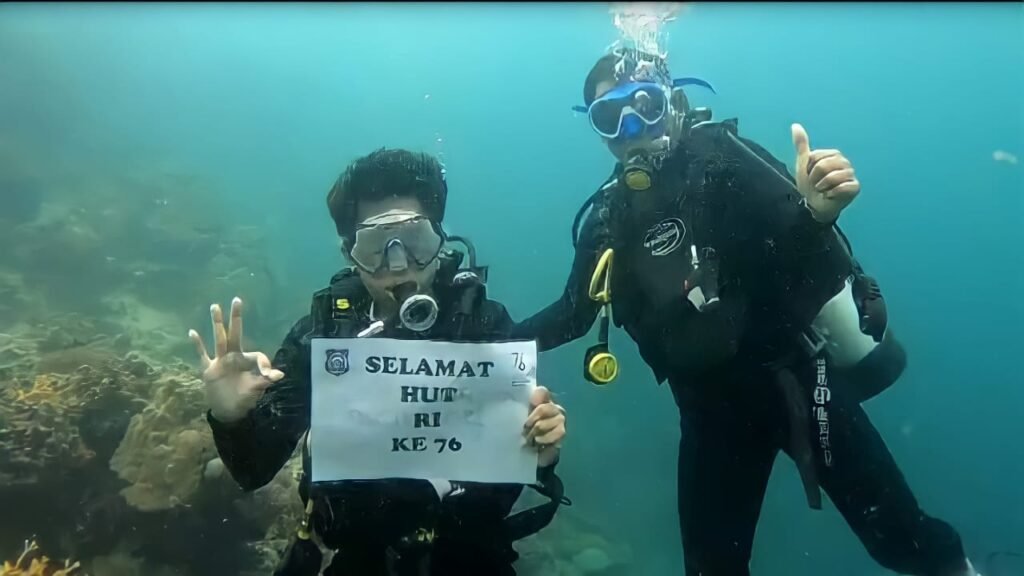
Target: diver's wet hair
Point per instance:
(605, 69)
(384, 174)
(602, 71)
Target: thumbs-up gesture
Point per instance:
(824, 178)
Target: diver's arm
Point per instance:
(819, 283)
(572, 315)
(804, 258)
(255, 448)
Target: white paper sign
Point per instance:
(387, 408)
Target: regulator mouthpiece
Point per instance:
(637, 172)
(418, 312)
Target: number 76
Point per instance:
(453, 444)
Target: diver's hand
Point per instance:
(545, 427)
(234, 380)
(824, 178)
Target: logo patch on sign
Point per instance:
(664, 237)
(337, 362)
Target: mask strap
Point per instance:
(692, 81)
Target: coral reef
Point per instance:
(33, 563)
(38, 433)
(573, 546)
(42, 418)
(79, 421)
(104, 452)
(167, 445)
(278, 508)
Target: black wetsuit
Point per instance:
(729, 368)
(367, 522)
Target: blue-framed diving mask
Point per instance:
(632, 109)
(628, 110)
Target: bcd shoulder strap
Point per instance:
(336, 309)
(596, 201)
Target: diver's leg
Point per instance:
(725, 458)
(867, 487)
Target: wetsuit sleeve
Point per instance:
(256, 448)
(804, 260)
(571, 316)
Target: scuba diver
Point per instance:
(405, 284)
(739, 290)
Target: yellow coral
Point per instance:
(42, 392)
(32, 563)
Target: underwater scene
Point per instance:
(760, 268)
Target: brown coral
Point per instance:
(38, 429)
(33, 563)
(167, 445)
(42, 418)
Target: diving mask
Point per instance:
(395, 240)
(627, 110)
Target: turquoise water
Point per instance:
(269, 103)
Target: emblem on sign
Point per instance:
(337, 362)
